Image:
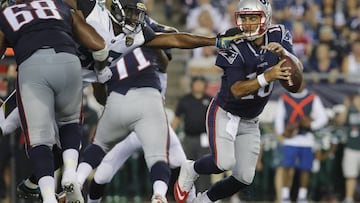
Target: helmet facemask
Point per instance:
(134, 19)
(130, 16)
(117, 13)
(257, 15)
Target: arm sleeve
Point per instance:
(279, 122)
(318, 114)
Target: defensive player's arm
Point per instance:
(162, 60)
(99, 91)
(191, 41)
(180, 40)
(3, 43)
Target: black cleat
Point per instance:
(25, 192)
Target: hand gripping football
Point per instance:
(296, 78)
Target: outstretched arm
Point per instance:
(191, 41)
(2, 43)
(180, 40)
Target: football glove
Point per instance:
(103, 75)
(224, 39)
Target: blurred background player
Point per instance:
(297, 115)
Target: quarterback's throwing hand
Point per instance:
(223, 40)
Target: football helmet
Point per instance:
(129, 14)
(261, 8)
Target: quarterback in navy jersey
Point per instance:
(249, 68)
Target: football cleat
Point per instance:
(156, 198)
(61, 197)
(199, 197)
(185, 181)
(25, 192)
(73, 193)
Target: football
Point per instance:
(296, 78)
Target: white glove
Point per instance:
(104, 75)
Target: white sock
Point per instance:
(285, 193)
(160, 187)
(302, 193)
(70, 159)
(30, 184)
(47, 187)
(93, 200)
(204, 198)
(83, 172)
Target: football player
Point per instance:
(134, 85)
(41, 34)
(119, 32)
(250, 66)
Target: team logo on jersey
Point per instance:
(129, 41)
(288, 37)
(229, 55)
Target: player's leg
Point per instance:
(290, 154)
(68, 98)
(247, 148)
(176, 152)
(152, 130)
(29, 188)
(36, 108)
(306, 159)
(112, 127)
(177, 157)
(207, 164)
(110, 164)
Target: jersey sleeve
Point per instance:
(286, 39)
(86, 6)
(231, 61)
(148, 33)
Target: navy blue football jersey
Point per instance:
(244, 61)
(35, 24)
(136, 69)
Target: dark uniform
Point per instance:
(49, 78)
(232, 123)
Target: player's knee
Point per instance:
(44, 141)
(151, 160)
(104, 174)
(226, 164)
(246, 176)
